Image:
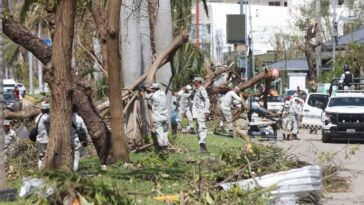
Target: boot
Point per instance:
(295, 137)
(191, 131)
(284, 136)
(289, 137)
(163, 152)
(203, 148)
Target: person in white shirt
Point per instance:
(42, 120)
(79, 137)
(295, 112)
(227, 101)
(184, 107)
(10, 137)
(200, 111)
(159, 117)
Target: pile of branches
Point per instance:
(24, 155)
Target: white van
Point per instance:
(312, 110)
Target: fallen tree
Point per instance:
(27, 114)
(98, 130)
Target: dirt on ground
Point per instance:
(348, 156)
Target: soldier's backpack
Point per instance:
(82, 136)
(348, 78)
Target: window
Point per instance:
(274, 3)
(340, 2)
(285, 4)
(319, 101)
(350, 101)
(274, 99)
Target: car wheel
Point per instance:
(325, 138)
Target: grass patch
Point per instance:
(186, 173)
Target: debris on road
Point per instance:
(288, 187)
(35, 186)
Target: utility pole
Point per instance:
(242, 13)
(198, 24)
(334, 34)
(318, 38)
(246, 39)
(30, 66)
(251, 38)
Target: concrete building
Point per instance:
(268, 17)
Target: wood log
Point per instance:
(22, 115)
(247, 84)
(212, 75)
(161, 60)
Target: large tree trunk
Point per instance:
(21, 36)
(2, 133)
(97, 128)
(130, 41)
(308, 50)
(163, 36)
(94, 123)
(130, 18)
(118, 139)
(58, 76)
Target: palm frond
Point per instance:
(27, 6)
(205, 7)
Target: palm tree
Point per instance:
(188, 59)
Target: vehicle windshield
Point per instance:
(348, 101)
(275, 99)
(8, 97)
(319, 101)
(292, 92)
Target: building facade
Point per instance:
(268, 18)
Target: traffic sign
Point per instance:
(275, 72)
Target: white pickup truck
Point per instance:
(343, 117)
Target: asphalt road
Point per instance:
(310, 148)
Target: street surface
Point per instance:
(308, 149)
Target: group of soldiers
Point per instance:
(42, 122)
(78, 126)
(199, 112)
(194, 104)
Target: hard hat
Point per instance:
(6, 123)
(155, 86)
(44, 106)
(188, 87)
(198, 79)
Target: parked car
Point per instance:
(11, 102)
(289, 94)
(323, 88)
(343, 117)
(22, 89)
(275, 103)
(8, 85)
(312, 110)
